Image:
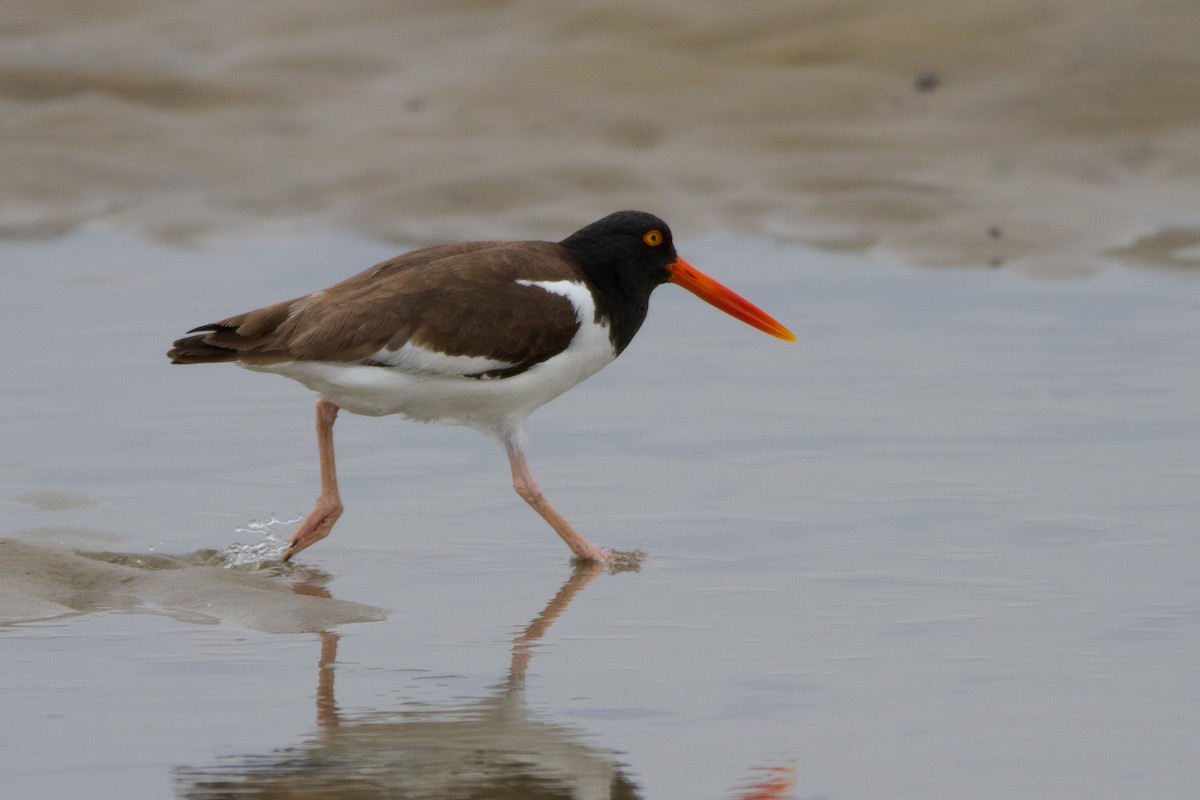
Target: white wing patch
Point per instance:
(577, 293)
(413, 358)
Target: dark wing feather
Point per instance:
(455, 299)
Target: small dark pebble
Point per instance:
(927, 80)
(994, 232)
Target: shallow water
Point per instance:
(942, 546)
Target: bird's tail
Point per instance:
(194, 350)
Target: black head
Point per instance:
(625, 256)
(634, 245)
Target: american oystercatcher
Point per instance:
(478, 334)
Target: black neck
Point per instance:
(622, 290)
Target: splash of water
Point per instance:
(266, 552)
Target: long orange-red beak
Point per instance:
(735, 305)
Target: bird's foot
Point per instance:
(583, 551)
(316, 526)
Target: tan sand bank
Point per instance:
(39, 581)
(1043, 135)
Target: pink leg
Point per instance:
(319, 523)
(528, 489)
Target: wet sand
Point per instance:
(39, 581)
(1025, 133)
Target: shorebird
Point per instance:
(479, 334)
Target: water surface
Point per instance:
(942, 546)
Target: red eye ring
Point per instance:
(653, 237)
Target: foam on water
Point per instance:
(256, 556)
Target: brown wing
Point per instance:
(461, 300)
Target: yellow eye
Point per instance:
(653, 238)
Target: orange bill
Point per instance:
(708, 290)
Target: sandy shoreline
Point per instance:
(41, 581)
(1044, 136)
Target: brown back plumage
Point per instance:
(458, 299)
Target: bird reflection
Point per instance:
(489, 748)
